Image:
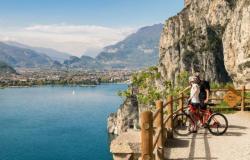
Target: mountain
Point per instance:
(53, 54)
(84, 62)
(6, 69)
(138, 50)
(21, 57)
(211, 37)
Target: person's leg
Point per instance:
(194, 113)
(203, 108)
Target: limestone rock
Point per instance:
(187, 2)
(126, 117)
(126, 146)
(236, 42)
(192, 40)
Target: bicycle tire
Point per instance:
(213, 124)
(181, 124)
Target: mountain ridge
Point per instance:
(6, 69)
(52, 53)
(136, 51)
(21, 57)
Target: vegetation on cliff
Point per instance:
(150, 86)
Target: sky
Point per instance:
(79, 27)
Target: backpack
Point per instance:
(204, 85)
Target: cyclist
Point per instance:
(194, 99)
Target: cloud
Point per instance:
(75, 39)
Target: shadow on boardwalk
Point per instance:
(190, 142)
(197, 146)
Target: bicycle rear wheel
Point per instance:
(217, 124)
(182, 124)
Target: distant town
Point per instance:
(37, 77)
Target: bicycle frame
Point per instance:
(203, 116)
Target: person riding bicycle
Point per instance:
(194, 99)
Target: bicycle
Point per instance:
(216, 123)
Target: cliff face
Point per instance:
(125, 118)
(206, 36)
(236, 42)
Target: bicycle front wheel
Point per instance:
(182, 124)
(217, 124)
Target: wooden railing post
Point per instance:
(159, 124)
(170, 121)
(147, 135)
(243, 98)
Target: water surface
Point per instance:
(56, 123)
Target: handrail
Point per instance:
(167, 103)
(226, 89)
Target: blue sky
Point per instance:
(40, 18)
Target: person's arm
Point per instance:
(207, 89)
(207, 96)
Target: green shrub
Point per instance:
(215, 85)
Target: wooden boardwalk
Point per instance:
(233, 145)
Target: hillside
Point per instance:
(20, 57)
(6, 69)
(53, 54)
(84, 62)
(138, 50)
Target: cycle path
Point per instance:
(233, 145)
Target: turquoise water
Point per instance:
(53, 123)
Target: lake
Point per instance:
(57, 123)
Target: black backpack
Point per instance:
(204, 85)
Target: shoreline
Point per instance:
(68, 85)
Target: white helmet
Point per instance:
(192, 79)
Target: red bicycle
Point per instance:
(184, 121)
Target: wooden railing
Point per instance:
(148, 143)
(156, 128)
(153, 133)
(245, 100)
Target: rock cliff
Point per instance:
(125, 118)
(210, 36)
(236, 42)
